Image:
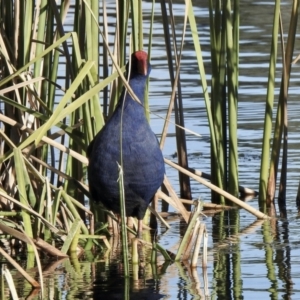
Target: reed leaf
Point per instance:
(38, 57)
(40, 209)
(23, 188)
(29, 210)
(55, 205)
(62, 114)
(76, 135)
(71, 236)
(84, 98)
(56, 116)
(74, 211)
(48, 211)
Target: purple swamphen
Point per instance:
(143, 164)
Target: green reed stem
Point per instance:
(135, 21)
(232, 40)
(218, 94)
(265, 159)
(123, 223)
(278, 129)
(146, 96)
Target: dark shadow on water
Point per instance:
(143, 284)
(119, 288)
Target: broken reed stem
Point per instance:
(38, 242)
(189, 232)
(196, 283)
(206, 205)
(31, 280)
(242, 190)
(135, 273)
(11, 284)
(235, 200)
(135, 255)
(176, 202)
(200, 231)
(171, 200)
(33, 212)
(159, 217)
(205, 243)
(45, 139)
(205, 282)
(188, 249)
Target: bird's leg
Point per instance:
(153, 220)
(140, 229)
(113, 226)
(129, 222)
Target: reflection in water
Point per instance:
(259, 266)
(283, 257)
(258, 259)
(115, 287)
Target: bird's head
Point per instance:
(139, 64)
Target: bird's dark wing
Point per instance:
(144, 167)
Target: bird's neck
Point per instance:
(138, 87)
